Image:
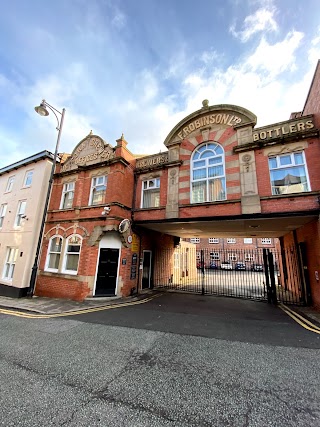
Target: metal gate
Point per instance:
(259, 274)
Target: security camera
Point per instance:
(107, 209)
(103, 213)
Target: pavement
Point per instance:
(54, 306)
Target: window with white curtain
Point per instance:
(208, 181)
(288, 173)
(67, 195)
(54, 253)
(98, 190)
(63, 254)
(151, 193)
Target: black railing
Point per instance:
(236, 273)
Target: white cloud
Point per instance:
(260, 21)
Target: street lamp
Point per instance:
(42, 110)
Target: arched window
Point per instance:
(72, 254)
(208, 181)
(54, 253)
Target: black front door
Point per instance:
(107, 272)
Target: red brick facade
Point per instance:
(172, 195)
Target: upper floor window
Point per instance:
(195, 240)
(231, 240)
(11, 258)
(151, 193)
(98, 190)
(266, 241)
(20, 212)
(208, 182)
(288, 173)
(214, 256)
(213, 240)
(247, 240)
(67, 195)
(28, 179)
(10, 183)
(3, 211)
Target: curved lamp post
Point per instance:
(42, 109)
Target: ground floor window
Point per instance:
(64, 254)
(11, 258)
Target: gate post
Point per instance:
(272, 278)
(266, 272)
(202, 270)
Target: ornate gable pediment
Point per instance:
(91, 150)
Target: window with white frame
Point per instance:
(195, 240)
(67, 195)
(63, 254)
(231, 240)
(214, 256)
(28, 179)
(72, 254)
(11, 258)
(208, 181)
(98, 190)
(20, 212)
(247, 240)
(54, 253)
(213, 240)
(10, 184)
(150, 193)
(198, 255)
(266, 241)
(232, 256)
(3, 211)
(288, 173)
(248, 257)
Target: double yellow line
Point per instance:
(302, 321)
(29, 315)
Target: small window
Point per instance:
(72, 254)
(151, 193)
(232, 256)
(266, 241)
(10, 184)
(231, 240)
(214, 256)
(195, 240)
(10, 263)
(54, 253)
(288, 174)
(28, 179)
(247, 240)
(248, 257)
(67, 195)
(98, 190)
(213, 240)
(21, 212)
(3, 211)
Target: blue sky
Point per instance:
(139, 66)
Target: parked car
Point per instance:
(213, 266)
(226, 266)
(256, 267)
(240, 266)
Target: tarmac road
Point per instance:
(177, 360)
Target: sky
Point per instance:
(138, 67)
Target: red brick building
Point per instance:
(220, 176)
